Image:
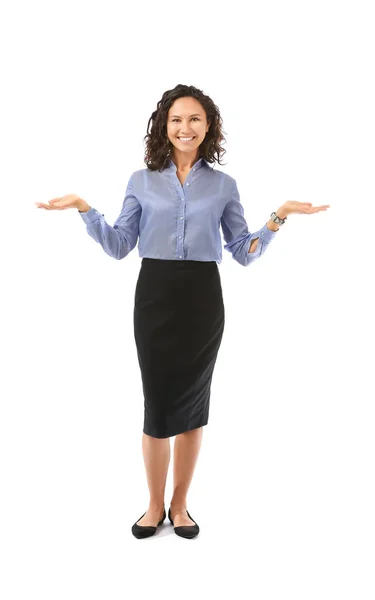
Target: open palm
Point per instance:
(292, 206)
(68, 201)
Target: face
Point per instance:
(186, 118)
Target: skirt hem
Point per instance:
(173, 433)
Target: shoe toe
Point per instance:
(143, 531)
(186, 531)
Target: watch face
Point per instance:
(276, 219)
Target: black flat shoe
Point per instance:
(143, 531)
(185, 531)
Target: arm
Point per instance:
(241, 243)
(119, 240)
(270, 225)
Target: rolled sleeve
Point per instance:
(91, 215)
(119, 240)
(236, 232)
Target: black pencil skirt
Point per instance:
(178, 326)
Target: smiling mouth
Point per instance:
(186, 141)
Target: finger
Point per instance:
(46, 206)
(60, 203)
(55, 204)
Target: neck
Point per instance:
(184, 163)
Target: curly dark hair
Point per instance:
(159, 147)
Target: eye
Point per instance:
(179, 119)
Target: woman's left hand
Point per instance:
(292, 206)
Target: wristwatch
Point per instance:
(277, 219)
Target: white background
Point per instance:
(283, 489)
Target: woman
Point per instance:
(175, 206)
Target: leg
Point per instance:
(186, 451)
(156, 456)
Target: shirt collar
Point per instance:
(202, 162)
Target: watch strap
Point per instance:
(277, 219)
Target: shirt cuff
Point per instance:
(91, 215)
(266, 235)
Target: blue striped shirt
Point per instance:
(179, 222)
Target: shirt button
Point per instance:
(181, 217)
(188, 184)
(180, 237)
(181, 198)
(193, 169)
(180, 256)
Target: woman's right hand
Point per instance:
(69, 201)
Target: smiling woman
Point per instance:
(176, 206)
(183, 113)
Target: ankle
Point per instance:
(156, 506)
(177, 507)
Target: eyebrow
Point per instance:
(194, 115)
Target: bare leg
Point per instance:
(156, 456)
(186, 451)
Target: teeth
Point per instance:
(185, 139)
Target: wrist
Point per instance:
(272, 225)
(83, 206)
(281, 213)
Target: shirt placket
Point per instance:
(181, 213)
